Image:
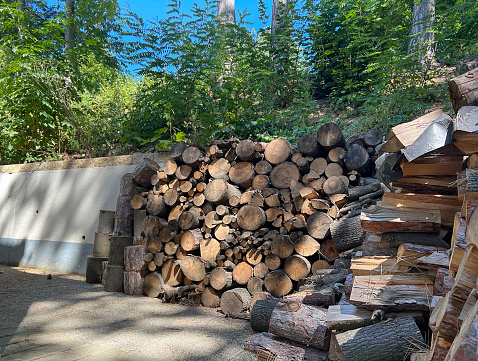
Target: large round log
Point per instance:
(143, 172)
(242, 273)
(306, 246)
(278, 151)
(330, 136)
(188, 220)
(218, 191)
(282, 175)
(153, 284)
(171, 197)
(245, 149)
(235, 301)
(297, 267)
(261, 315)
(250, 217)
(308, 145)
(193, 268)
(282, 246)
(277, 283)
(318, 166)
(191, 156)
(220, 278)
(358, 159)
(347, 233)
(300, 323)
(242, 174)
(191, 239)
(156, 205)
(263, 167)
(318, 225)
(171, 273)
(219, 168)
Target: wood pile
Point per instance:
(410, 292)
(237, 221)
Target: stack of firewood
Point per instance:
(235, 218)
(410, 292)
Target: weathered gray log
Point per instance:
(347, 233)
(261, 315)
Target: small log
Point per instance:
(272, 262)
(263, 167)
(334, 169)
(245, 149)
(306, 246)
(191, 156)
(282, 246)
(300, 323)
(188, 220)
(153, 285)
(137, 201)
(251, 217)
(372, 137)
(278, 151)
(177, 150)
(144, 170)
(317, 166)
(209, 248)
(193, 268)
(242, 174)
(260, 270)
(219, 168)
(260, 182)
(218, 191)
(318, 265)
(337, 155)
(385, 341)
(220, 278)
(171, 273)
(330, 136)
(156, 205)
(358, 159)
(210, 298)
(335, 185)
(318, 225)
(283, 174)
(255, 285)
(297, 267)
(235, 301)
(347, 233)
(242, 273)
(277, 283)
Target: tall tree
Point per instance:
(422, 34)
(69, 31)
(226, 11)
(278, 11)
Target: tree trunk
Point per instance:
(279, 8)
(422, 34)
(69, 31)
(226, 12)
(133, 283)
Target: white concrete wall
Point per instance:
(48, 219)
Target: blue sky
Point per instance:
(152, 9)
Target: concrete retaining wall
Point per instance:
(49, 211)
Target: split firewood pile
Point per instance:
(410, 290)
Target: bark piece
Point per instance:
(347, 233)
(133, 283)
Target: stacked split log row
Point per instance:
(236, 218)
